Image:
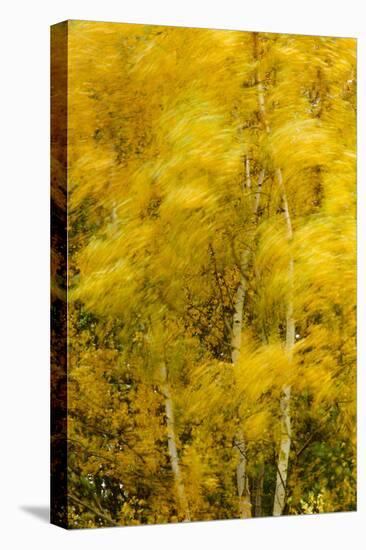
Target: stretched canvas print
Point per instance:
(203, 274)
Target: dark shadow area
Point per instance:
(40, 512)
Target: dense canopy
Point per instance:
(211, 227)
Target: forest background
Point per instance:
(211, 181)
(31, 490)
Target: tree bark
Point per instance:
(241, 476)
(172, 445)
(285, 443)
(242, 481)
(238, 309)
(284, 452)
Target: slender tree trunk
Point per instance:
(241, 475)
(247, 173)
(242, 481)
(284, 452)
(172, 445)
(238, 311)
(285, 443)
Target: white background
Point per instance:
(24, 273)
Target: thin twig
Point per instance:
(91, 509)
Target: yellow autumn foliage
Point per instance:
(176, 138)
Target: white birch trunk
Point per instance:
(285, 443)
(242, 481)
(241, 290)
(238, 310)
(172, 445)
(284, 452)
(241, 476)
(247, 173)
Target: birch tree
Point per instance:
(211, 207)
